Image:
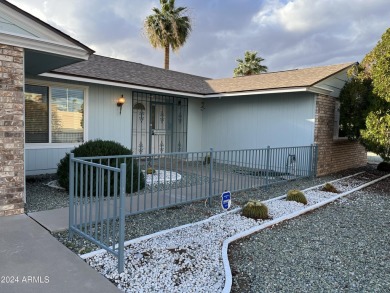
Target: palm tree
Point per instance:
(168, 28)
(250, 65)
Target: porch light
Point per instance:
(120, 103)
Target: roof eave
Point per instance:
(44, 46)
(313, 89)
(88, 50)
(120, 84)
(334, 73)
(269, 91)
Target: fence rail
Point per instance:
(103, 190)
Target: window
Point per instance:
(338, 131)
(37, 114)
(54, 114)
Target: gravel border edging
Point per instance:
(225, 245)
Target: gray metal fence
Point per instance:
(90, 214)
(98, 201)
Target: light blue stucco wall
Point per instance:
(104, 120)
(195, 116)
(246, 122)
(226, 123)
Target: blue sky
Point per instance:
(287, 34)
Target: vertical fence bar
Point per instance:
(81, 195)
(267, 167)
(71, 194)
(96, 201)
(315, 160)
(310, 169)
(108, 203)
(115, 210)
(121, 242)
(75, 220)
(86, 200)
(90, 199)
(211, 177)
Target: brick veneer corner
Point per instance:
(334, 155)
(11, 131)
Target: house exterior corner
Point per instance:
(334, 154)
(12, 131)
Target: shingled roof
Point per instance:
(296, 78)
(115, 70)
(131, 73)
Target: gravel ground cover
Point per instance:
(38, 194)
(189, 260)
(40, 197)
(343, 247)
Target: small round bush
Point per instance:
(328, 187)
(383, 166)
(95, 148)
(150, 171)
(255, 209)
(296, 195)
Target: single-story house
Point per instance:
(56, 94)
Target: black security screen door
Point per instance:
(159, 124)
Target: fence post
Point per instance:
(121, 242)
(315, 160)
(311, 161)
(71, 195)
(211, 177)
(267, 166)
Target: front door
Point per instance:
(159, 124)
(161, 128)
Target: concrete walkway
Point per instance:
(31, 260)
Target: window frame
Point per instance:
(50, 85)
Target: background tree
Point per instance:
(365, 100)
(168, 28)
(250, 65)
(376, 66)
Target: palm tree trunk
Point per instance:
(166, 61)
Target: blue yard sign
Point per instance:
(226, 200)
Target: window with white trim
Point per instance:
(54, 114)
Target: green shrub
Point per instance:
(94, 148)
(296, 195)
(329, 188)
(255, 209)
(150, 171)
(383, 166)
(207, 160)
